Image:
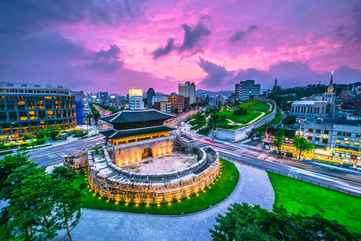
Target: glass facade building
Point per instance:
(25, 108)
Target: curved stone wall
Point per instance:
(113, 183)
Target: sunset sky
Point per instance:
(116, 44)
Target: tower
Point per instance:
(330, 97)
(331, 88)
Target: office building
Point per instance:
(150, 96)
(341, 137)
(79, 106)
(25, 108)
(309, 109)
(246, 90)
(177, 103)
(163, 106)
(135, 99)
(188, 90)
(103, 98)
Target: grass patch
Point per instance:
(309, 199)
(217, 193)
(254, 109)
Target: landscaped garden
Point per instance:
(308, 199)
(230, 117)
(244, 113)
(221, 189)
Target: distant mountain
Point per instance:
(214, 93)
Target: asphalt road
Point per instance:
(334, 179)
(54, 154)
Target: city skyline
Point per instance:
(116, 45)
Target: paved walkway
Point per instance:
(254, 187)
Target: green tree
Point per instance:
(289, 120)
(279, 139)
(9, 164)
(216, 121)
(245, 222)
(67, 197)
(302, 145)
(25, 201)
(47, 223)
(95, 113)
(31, 211)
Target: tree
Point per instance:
(9, 164)
(279, 139)
(302, 145)
(95, 113)
(38, 204)
(289, 120)
(31, 210)
(68, 198)
(215, 120)
(245, 222)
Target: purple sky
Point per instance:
(116, 44)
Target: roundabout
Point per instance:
(145, 163)
(222, 187)
(253, 187)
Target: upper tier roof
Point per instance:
(133, 116)
(113, 134)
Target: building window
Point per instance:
(325, 132)
(325, 141)
(310, 130)
(318, 131)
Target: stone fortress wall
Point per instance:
(243, 132)
(114, 183)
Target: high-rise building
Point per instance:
(188, 90)
(247, 89)
(150, 96)
(177, 103)
(103, 98)
(163, 106)
(25, 108)
(79, 106)
(135, 100)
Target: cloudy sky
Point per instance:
(116, 44)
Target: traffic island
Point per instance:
(221, 188)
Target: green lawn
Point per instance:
(254, 109)
(218, 192)
(308, 199)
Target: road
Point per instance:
(333, 178)
(253, 187)
(348, 182)
(54, 154)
